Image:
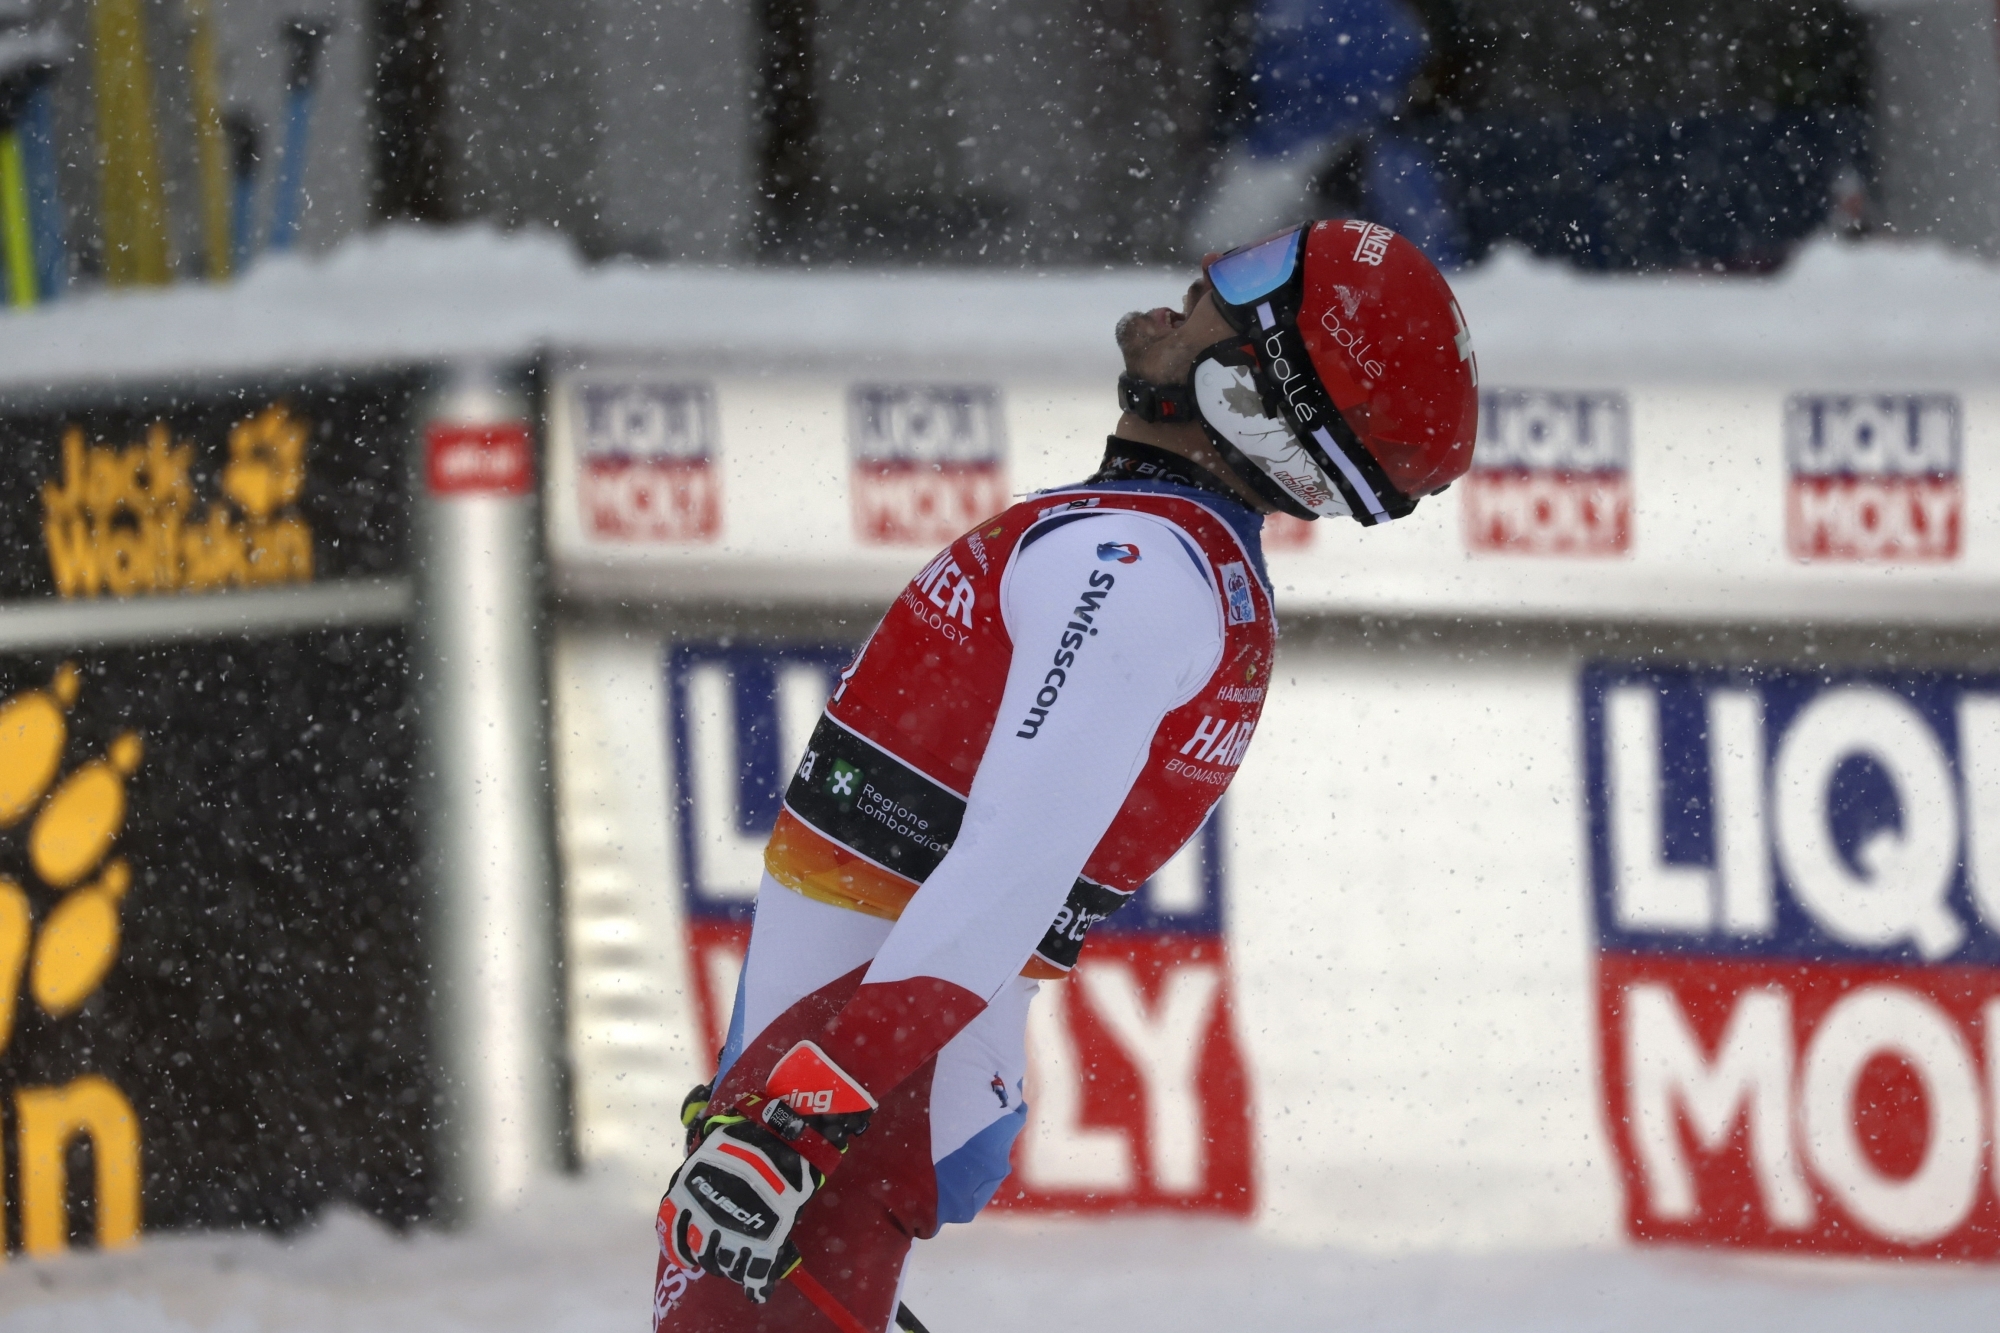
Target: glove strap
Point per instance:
(796, 1133)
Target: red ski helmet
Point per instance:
(1352, 388)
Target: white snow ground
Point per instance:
(578, 1259)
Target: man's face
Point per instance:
(1160, 345)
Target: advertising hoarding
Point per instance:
(930, 461)
(211, 958)
(1551, 474)
(1874, 477)
(646, 465)
(210, 952)
(1796, 878)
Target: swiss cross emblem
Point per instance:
(1463, 341)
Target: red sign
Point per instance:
(1874, 518)
(1135, 1085)
(1138, 1095)
(1833, 1108)
(651, 500)
(929, 461)
(905, 502)
(647, 468)
(491, 458)
(1282, 532)
(1549, 513)
(1799, 1010)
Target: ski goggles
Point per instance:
(1246, 275)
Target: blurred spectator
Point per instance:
(1329, 85)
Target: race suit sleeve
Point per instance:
(1114, 623)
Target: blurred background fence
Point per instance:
(159, 139)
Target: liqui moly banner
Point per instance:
(647, 469)
(930, 461)
(1136, 1089)
(1797, 888)
(1873, 477)
(1551, 474)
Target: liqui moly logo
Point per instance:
(929, 461)
(647, 462)
(1873, 477)
(1551, 474)
(1797, 887)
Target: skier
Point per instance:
(1046, 714)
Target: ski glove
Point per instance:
(731, 1207)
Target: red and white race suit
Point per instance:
(1047, 713)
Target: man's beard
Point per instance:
(1127, 334)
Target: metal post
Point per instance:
(489, 859)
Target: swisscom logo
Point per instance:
(1551, 474)
(1873, 477)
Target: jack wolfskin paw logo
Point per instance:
(267, 467)
(75, 818)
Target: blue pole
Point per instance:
(304, 36)
(291, 171)
(45, 215)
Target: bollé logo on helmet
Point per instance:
(1354, 344)
(1291, 382)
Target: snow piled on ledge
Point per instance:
(1875, 312)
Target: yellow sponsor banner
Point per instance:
(124, 520)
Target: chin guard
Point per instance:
(1169, 403)
(1302, 457)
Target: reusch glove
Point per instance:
(731, 1207)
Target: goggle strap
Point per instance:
(1352, 474)
(1169, 403)
(1363, 475)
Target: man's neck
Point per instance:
(1187, 441)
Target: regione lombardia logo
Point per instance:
(929, 461)
(1551, 474)
(1873, 477)
(1796, 878)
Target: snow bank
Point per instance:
(575, 1261)
(400, 294)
